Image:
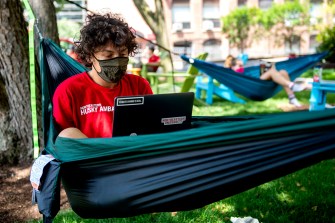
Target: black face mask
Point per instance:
(113, 70)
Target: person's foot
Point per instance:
(329, 106)
(304, 81)
(295, 87)
(295, 102)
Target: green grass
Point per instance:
(306, 196)
(327, 74)
(273, 105)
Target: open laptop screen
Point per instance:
(138, 115)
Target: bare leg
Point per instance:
(285, 76)
(280, 77)
(72, 133)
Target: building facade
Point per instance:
(72, 11)
(194, 26)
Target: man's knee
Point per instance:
(72, 133)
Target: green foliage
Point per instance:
(327, 74)
(237, 25)
(291, 13)
(267, 20)
(326, 38)
(59, 5)
(283, 21)
(286, 21)
(68, 28)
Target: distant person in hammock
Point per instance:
(229, 62)
(83, 105)
(234, 64)
(281, 77)
(239, 68)
(269, 72)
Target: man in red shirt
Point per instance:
(83, 105)
(153, 60)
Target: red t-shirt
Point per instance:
(153, 59)
(240, 70)
(80, 102)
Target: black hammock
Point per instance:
(248, 83)
(217, 158)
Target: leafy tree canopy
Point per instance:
(237, 24)
(68, 28)
(327, 42)
(290, 14)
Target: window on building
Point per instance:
(213, 48)
(241, 3)
(181, 15)
(265, 4)
(72, 12)
(313, 44)
(183, 47)
(315, 10)
(211, 14)
(293, 46)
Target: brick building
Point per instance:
(195, 25)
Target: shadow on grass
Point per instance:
(303, 196)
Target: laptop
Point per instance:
(158, 113)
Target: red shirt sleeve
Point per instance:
(62, 111)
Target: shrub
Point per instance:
(326, 38)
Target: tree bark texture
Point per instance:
(46, 23)
(45, 13)
(15, 110)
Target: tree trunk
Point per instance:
(45, 13)
(156, 21)
(15, 110)
(46, 22)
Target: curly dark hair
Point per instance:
(99, 30)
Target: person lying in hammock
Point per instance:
(234, 64)
(83, 104)
(282, 78)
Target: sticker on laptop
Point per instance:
(130, 101)
(174, 120)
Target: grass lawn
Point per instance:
(306, 196)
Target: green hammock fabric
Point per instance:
(248, 83)
(217, 158)
(55, 66)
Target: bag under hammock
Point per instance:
(217, 158)
(248, 83)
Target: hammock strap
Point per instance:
(32, 78)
